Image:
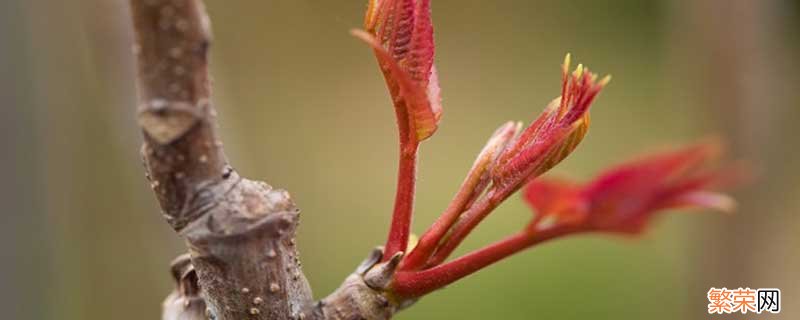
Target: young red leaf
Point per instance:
(623, 199)
(626, 197)
(555, 202)
(401, 34)
(542, 145)
(554, 134)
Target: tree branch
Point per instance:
(242, 261)
(185, 302)
(240, 232)
(181, 150)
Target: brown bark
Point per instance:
(242, 262)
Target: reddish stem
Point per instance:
(430, 239)
(410, 284)
(469, 220)
(403, 201)
(479, 210)
(476, 181)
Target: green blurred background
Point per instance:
(303, 106)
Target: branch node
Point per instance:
(380, 276)
(165, 121)
(185, 302)
(373, 258)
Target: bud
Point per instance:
(401, 34)
(555, 133)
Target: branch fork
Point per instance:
(243, 261)
(366, 292)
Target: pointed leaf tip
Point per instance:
(556, 132)
(578, 71)
(370, 17)
(709, 200)
(603, 82)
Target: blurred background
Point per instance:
(303, 106)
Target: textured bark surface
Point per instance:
(242, 261)
(363, 295)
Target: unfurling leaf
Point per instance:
(626, 197)
(555, 202)
(555, 133)
(401, 34)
